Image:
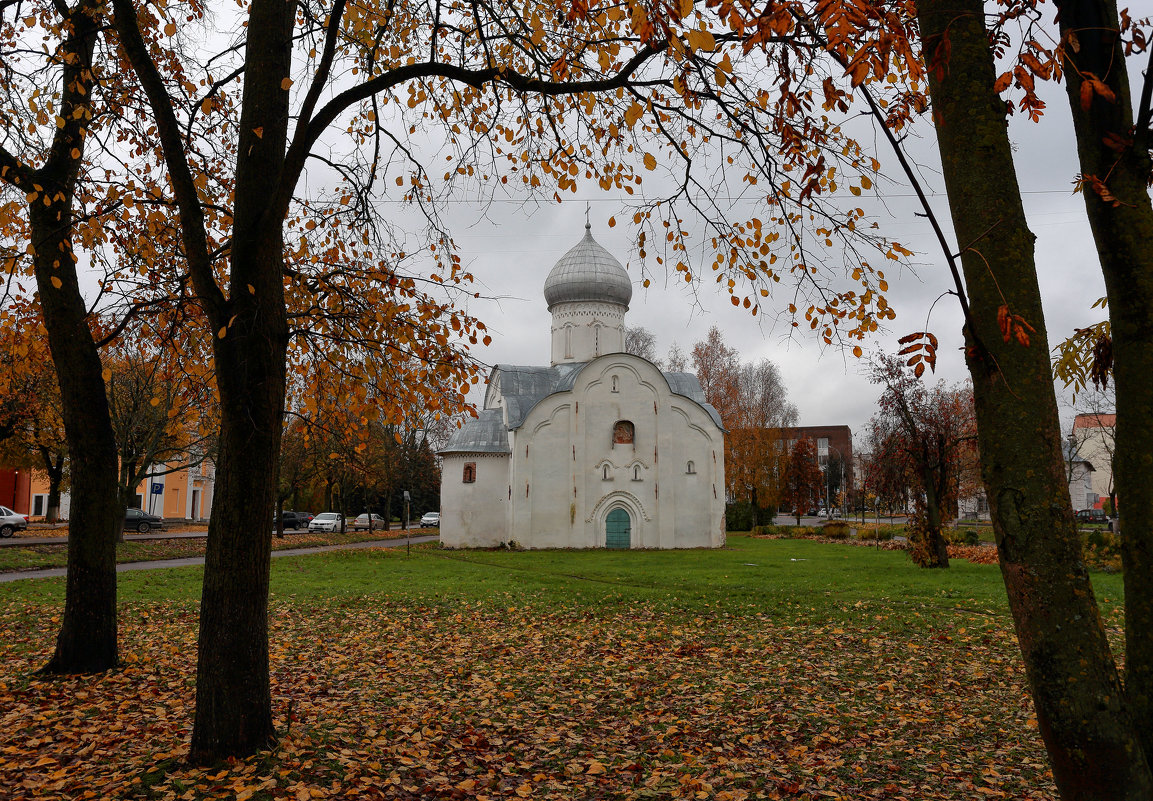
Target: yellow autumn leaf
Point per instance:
(155, 401)
(221, 333)
(701, 41)
(650, 161)
(633, 113)
(595, 768)
(56, 282)
(170, 29)
(286, 83)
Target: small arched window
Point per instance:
(623, 433)
(616, 388)
(636, 472)
(469, 472)
(691, 468)
(605, 472)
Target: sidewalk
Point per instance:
(190, 561)
(170, 534)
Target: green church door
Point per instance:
(617, 528)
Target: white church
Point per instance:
(599, 450)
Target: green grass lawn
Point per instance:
(769, 669)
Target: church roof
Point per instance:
(484, 434)
(522, 387)
(588, 273)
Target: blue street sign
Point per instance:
(157, 489)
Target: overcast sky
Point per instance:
(512, 247)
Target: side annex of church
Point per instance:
(599, 450)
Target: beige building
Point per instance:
(184, 494)
(1092, 439)
(599, 449)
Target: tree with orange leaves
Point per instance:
(526, 91)
(803, 478)
(753, 404)
(928, 436)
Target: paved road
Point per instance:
(199, 560)
(172, 534)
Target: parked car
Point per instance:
(366, 521)
(430, 520)
(1092, 516)
(11, 522)
(294, 520)
(141, 522)
(325, 521)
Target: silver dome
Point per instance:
(588, 272)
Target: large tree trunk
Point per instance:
(1123, 231)
(87, 639)
(1090, 737)
(233, 698)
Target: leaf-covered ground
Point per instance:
(517, 694)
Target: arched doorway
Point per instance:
(618, 527)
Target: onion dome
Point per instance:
(588, 273)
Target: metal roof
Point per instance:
(484, 434)
(588, 272)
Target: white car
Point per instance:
(430, 520)
(325, 521)
(11, 522)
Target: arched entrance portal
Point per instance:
(618, 527)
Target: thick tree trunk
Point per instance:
(233, 698)
(1091, 740)
(1111, 151)
(936, 549)
(87, 639)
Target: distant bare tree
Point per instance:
(677, 361)
(640, 341)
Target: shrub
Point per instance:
(1101, 549)
(963, 536)
(884, 533)
(835, 530)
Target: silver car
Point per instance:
(11, 522)
(366, 521)
(430, 520)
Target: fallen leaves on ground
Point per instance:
(472, 701)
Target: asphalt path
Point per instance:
(190, 561)
(176, 534)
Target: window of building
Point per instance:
(469, 472)
(691, 468)
(605, 473)
(616, 388)
(623, 433)
(822, 446)
(636, 472)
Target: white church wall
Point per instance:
(583, 331)
(547, 469)
(474, 514)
